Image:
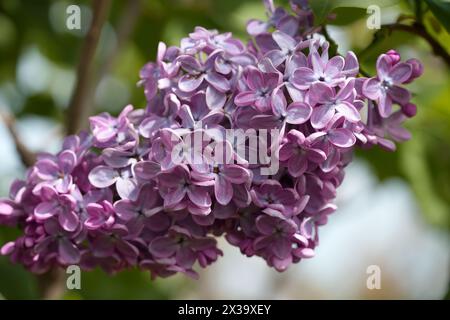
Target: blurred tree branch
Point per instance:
(124, 29)
(77, 112)
(417, 29)
(26, 156)
(420, 30)
(51, 284)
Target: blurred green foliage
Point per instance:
(39, 27)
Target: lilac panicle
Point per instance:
(130, 194)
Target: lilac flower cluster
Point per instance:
(116, 198)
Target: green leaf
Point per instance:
(441, 11)
(322, 8)
(16, 282)
(347, 15)
(415, 165)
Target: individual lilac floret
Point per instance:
(283, 114)
(183, 248)
(384, 88)
(275, 241)
(180, 191)
(56, 171)
(327, 102)
(274, 199)
(260, 88)
(298, 154)
(109, 131)
(223, 178)
(288, 47)
(59, 205)
(101, 215)
(196, 73)
(321, 70)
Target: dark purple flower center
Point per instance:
(386, 84)
(263, 92)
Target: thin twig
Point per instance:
(420, 30)
(417, 29)
(77, 110)
(27, 157)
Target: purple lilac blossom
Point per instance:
(115, 197)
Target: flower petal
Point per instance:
(276, 57)
(385, 106)
(146, 170)
(189, 83)
(46, 210)
(320, 93)
(199, 196)
(68, 252)
(297, 165)
(399, 94)
(400, 72)
(334, 66)
(255, 79)
(69, 220)
(235, 174)
(67, 160)
(127, 188)
(218, 81)
(246, 98)
(162, 247)
(383, 66)
(284, 41)
(303, 77)
(223, 190)
(214, 98)
(321, 116)
(125, 210)
(298, 113)
(372, 88)
(348, 111)
(174, 196)
(103, 176)
(342, 137)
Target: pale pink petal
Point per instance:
(321, 116)
(189, 83)
(298, 113)
(342, 137)
(223, 190)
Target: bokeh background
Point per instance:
(394, 208)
